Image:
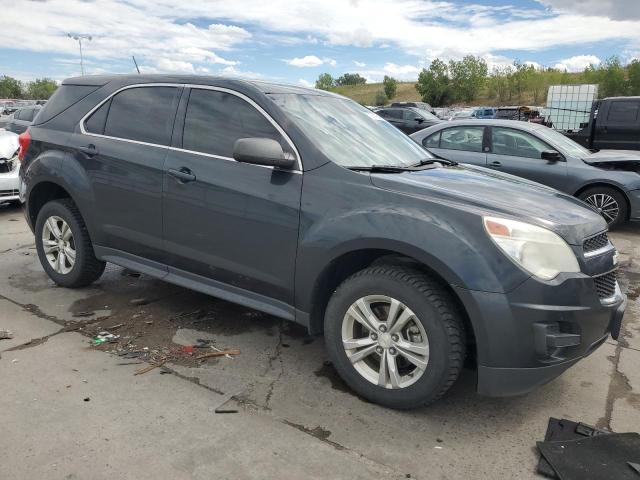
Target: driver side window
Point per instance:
(507, 141)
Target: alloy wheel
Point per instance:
(385, 342)
(58, 245)
(606, 205)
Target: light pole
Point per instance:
(79, 38)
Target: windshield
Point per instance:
(349, 134)
(562, 143)
(427, 115)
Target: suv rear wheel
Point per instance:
(395, 336)
(64, 246)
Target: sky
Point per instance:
(295, 41)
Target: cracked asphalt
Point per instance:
(69, 410)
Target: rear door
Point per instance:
(394, 116)
(229, 224)
(518, 153)
(121, 146)
(618, 125)
(462, 144)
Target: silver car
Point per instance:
(9, 167)
(609, 180)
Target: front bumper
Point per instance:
(10, 184)
(529, 336)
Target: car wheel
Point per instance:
(395, 336)
(609, 202)
(64, 246)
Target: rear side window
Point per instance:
(623, 112)
(143, 114)
(27, 114)
(432, 141)
(215, 120)
(64, 97)
(468, 139)
(95, 123)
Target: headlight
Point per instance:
(538, 250)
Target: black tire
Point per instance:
(619, 198)
(87, 268)
(435, 309)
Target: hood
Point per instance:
(8, 144)
(493, 193)
(613, 157)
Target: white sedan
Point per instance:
(9, 167)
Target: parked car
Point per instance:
(614, 124)
(421, 105)
(484, 113)
(408, 119)
(307, 206)
(9, 167)
(21, 119)
(608, 180)
(460, 114)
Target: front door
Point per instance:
(519, 153)
(227, 222)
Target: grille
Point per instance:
(8, 193)
(596, 242)
(605, 284)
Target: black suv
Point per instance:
(408, 119)
(307, 206)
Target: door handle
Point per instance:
(495, 164)
(89, 150)
(183, 174)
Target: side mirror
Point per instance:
(262, 151)
(551, 155)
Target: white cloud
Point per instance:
(577, 63)
(402, 72)
(232, 71)
(533, 64)
(174, 66)
(359, 64)
(305, 83)
(615, 9)
(310, 61)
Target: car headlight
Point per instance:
(538, 250)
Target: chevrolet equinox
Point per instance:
(305, 205)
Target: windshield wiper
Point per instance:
(431, 161)
(382, 169)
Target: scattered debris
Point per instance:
(144, 370)
(104, 337)
(5, 335)
(139, 301)
(576, 451)
(218, 354)
(114, 327)
(15, 360)
(227, 398)
(86, 399)
(83, 314)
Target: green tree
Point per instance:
(633, 73)
(325, 81)
(433, 84)
(390, 86)
(10, 87)
(499, 84)
(351, 79)
(41, 89)
(612, 80)
(468, 77)
(381, 98)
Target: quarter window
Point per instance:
(468, 139)
(507, 141)
(215, 120)
(432, 141)
(143, 114)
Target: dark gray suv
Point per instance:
(307, 206)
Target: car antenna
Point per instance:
(136, 64)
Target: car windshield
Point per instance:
(427, 115)
(562, 143)
(349, 134)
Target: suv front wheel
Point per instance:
(64, 246)
(395, 336)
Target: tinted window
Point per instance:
(468, 139)
(27, 114)
(392, 113)
(95, 123)
(432, 141)
(63, 98)
(623, 112)
(215, 120)
(144, 114)
(507, 141)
